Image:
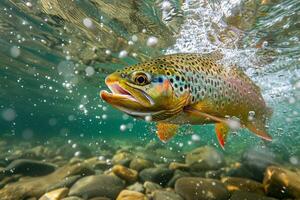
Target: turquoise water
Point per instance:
(55, 55)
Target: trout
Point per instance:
(195, 89)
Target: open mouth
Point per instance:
(118, 92)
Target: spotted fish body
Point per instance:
(193, 89)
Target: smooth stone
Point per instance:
(177, 174)
(122, 158)
(55, 194)
(205, 158)
(66, 182)
(72, 198)
(151, 187)
(282, 183)
(97, 186)
(238, 170)
(214, 174)
(166, 195)
(137, 187)
(131, 195)
(129, 175)
(180, 166)
(257, 160)
(241, 184)
(37, 186)
(100, 198)
(157, 175)
(243, 195)
(191, 188)
(28, 167)
(139, 164)
(96, 163)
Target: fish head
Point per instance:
(142, 91)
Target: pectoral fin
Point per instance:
(222, 131)
(166, 131)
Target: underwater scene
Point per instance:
(149, 99)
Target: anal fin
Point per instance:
(165, 131)
(222, 130)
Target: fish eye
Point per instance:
(141, 78)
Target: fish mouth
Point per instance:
(117, 93)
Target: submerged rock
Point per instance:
(151, 187)
(71, 150)
(125, 173)
(241, 184)
(131, 195)
(191, 188)
(139, 164)
(37, 186)
(205, 158)
(177, 174)
(122, 158)
(243, 195)
(282, 183)
(28, 167)
(97, 186)
(137, 187)
(72, 198)
(166, 195)
(55, 194)
(256, 161)
(157, 175)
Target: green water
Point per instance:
(55, 55)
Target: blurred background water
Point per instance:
(55, 55)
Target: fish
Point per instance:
(189, 88)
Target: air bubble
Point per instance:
(152, 41)
(123, 54)
(15, 51)
(148, 118)
(123, 127)
(9, 114)
(89, 71)
(87, 22)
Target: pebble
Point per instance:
(131, 195)
(157, 175)
(151, 187)
(191, 188)
(72, 198)
(282, 183)
(205, 158)
(55, 194)
(122, 158)
(139, 164)
(28, 167)
(257, 161)
(241, 184)
(37, 186)
(125, 173)
(166, 195)
(97, 186)
(176, 165)
(137, 187)
(243, 195)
